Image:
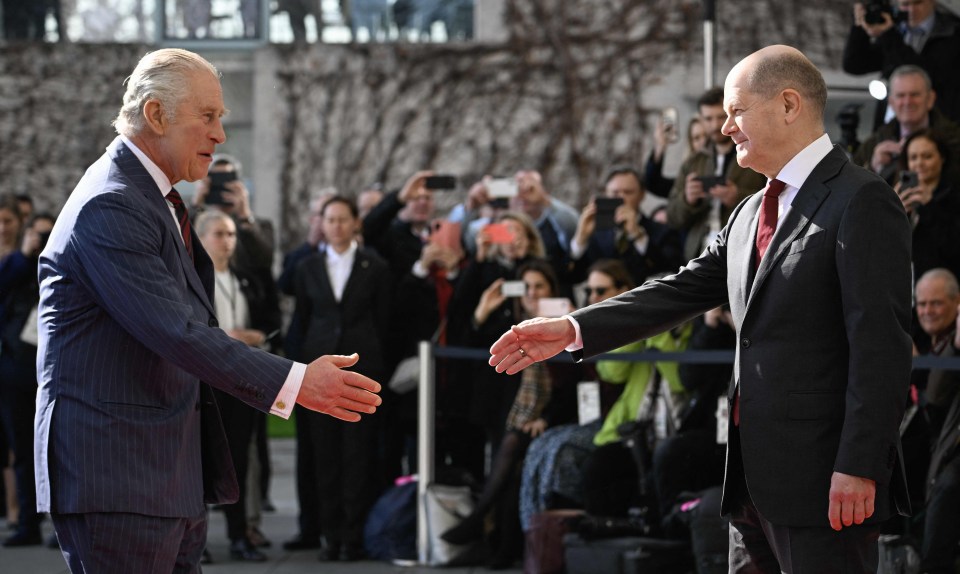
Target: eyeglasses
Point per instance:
(598, 290)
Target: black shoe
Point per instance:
(53, 542)
(243, 550)
(352, 552)
(302, 543)
(267, 506)
(24, 538)
(329, 553)
(206, 557)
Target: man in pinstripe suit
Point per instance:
(129, 443)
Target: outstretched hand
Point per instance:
(531, 341)
(341, 394)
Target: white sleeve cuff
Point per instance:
(578, 342)
(576, 250)
(419, 271)
(287, 397)
(641, 244)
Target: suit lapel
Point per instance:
(130, 165)
(806, 203)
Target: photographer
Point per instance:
(932, 204)
(223, 189)
(879, 42)
(912, 99)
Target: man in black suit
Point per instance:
(818, 283)
(645, 246)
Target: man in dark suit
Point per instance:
(822, 313)
(645, 246)
(129, 443)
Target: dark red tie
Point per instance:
(180, 210)
(768, 216)
(765, 230)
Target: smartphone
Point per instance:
(554, 307)
(218, 181)
(908, 179)
(440, 182)
(499, 233)
(606, 208)
(446, 234)
(502, 187)
(710, 181)
(513, 289)
(670, 118)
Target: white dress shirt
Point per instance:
(339, 266)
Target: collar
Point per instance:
(160, 178)
(798, 169)
(334, 257)
(926, 26)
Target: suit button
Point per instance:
(213, 322)
(745, 343)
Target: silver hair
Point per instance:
(945, 275)
(206, 219)
(911, 70)
(164, 76)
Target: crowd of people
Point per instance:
(379, 271)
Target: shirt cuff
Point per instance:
(578, 342)
(576, 250)
(419, 271)
(287, 397)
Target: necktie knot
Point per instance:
(774, 188)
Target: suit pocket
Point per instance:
(812, 240)
(814, 405)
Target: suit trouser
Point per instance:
(308, 499)
(108, 542)
(345, 458)
(757, 546)
(17, 407)
(941, 530)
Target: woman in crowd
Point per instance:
(19, 294)
(552, 470)
(932, 202)
(343, 296)
(546, 396)
(654, 180)
(248, 311)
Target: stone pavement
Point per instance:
(277, 526)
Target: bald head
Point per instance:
(774, 99)
(771, 70)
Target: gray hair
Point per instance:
(776, 73)
(208, 218)
(911, 70)
(162, 75)
(945, 275)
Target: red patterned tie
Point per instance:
(183, 217)
(768, 216)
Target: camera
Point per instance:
(908, 179)
(218, 184)
(875, 10)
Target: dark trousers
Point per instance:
(239, 420)
(345, 468)
(611, 483)
(308, 499)
(17, 408)
(941, 530)
(758, 546)
(108, 542)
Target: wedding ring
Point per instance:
(522, 352)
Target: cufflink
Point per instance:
(281, 405)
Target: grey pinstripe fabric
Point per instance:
(125, 339)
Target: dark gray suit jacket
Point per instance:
(824, 354)
(127, 334)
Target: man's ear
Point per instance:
(792, 104)
(154, 116)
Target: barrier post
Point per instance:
(425, 444)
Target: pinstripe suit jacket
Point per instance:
(127, 334)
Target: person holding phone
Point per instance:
(931, 201)
(653, 178)
(701, 211)
(223, 189)
(645, 246)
